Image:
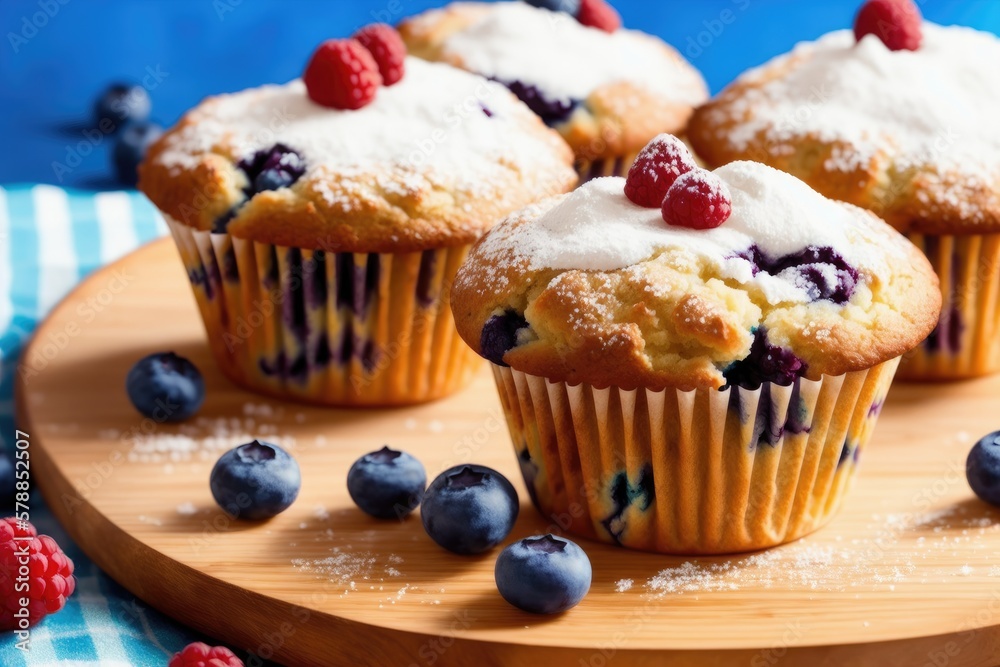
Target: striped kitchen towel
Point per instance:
(49, 239)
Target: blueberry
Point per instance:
(130, 149)
(6, 482)
(822, 271)
(499, 336)
(223, 220)
(826, 274)
(166, 387)
(765, 363)
(276, 167)
(551, 111)
(568, 6)
(254, 481)
(543, 575)
(469, 509)
(270, 169)
(624, 494)
(119, 105)
(982, 468)
(272, 179)
(387, 484)
(947, 335)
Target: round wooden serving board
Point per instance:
(907, 574)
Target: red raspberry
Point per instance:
(388, 49)
(656, 168)
(342, 74)
(50, 575)
(199, 654)
(896, 22)
(599, 14)
(697, 200)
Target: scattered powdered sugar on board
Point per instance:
(265, 410)
(399, 594)
(342, 567)
(890, 555)
(354, 570)
(623, 585)
(376, 574)
(205, 439)
(187, 509)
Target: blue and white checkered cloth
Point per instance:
(50, 239)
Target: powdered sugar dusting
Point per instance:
(427, 130)
(342, 567)
(368, 571)
(887, 557)
(597, 228)
(205, 439)
(565, 59)
(934, 106)
(187, 509)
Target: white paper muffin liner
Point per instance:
(966, 342)
(699, 472)
(329, 328)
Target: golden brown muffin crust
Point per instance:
(934, 191)
(674, 320)
(448, 172)
(616, 118)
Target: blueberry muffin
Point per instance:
(904, 127)
(696, 379)
(321, 239)
(606, 90)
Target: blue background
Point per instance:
(48, 85)
(57, 64)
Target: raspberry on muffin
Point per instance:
(611, 294)
(703, 383)
(607, 90)
(897, 117)
(322, 221)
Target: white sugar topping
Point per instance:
(597, 228)
(565, 59)
(431, 123)
(934, 106)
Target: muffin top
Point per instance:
(589, 287)
(911, 135)
(607, 93)
(433, 161)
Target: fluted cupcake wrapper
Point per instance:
(329, 328)
(699, 472)
(613, 165)
(966, 342)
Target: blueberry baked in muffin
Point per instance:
(322, 221)
(698, 376)
(606, 89)
(898, 117)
